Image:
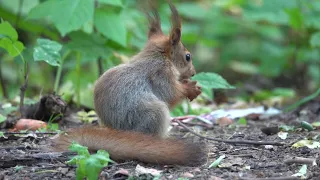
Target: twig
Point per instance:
(13, 147)
(180, 118)
(229, 141)
(199, 124)
(241, 155)
(19, 12)
(273, 178)
(301, 160)
(59, 71)
(3, 84)
(23, 88)
(100, 67)
(120, 164)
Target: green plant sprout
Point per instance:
(9, 41)
(88, 166)
(51, 126)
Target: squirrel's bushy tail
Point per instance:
(128, 145)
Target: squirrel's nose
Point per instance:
(193, 72)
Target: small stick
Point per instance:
(181, 118)
(23, 88)
(230, 141)
(3, 84)
(301, 160)
(199, 124)
(13, 147)
(273, 178)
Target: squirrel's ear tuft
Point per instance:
(154, 22)
(175, 33)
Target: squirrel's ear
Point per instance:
(154, 23)
(175, 33)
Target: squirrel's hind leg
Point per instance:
(154, 118)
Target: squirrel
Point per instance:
(133, 100)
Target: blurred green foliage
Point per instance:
(235, 38)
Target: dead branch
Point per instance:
(272, 178)
(23, 88)
(3, 84)
(301, 160)
(31, 159)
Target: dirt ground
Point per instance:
(21, 157)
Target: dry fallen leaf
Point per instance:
(187, 175)
(122, 171)
(142, 170)
(29, 124)
(308, 143)
(224, 121)
(282, 135)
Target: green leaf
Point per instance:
(295, 18)
(2, 118)
(53, 126)
(270, 10)
(102, 160)
(307, 143)
(66, 15)
(217, 162)
(9, 39)
(286, 128)
(242, 121)
(82, 150)
(18, 168)
(111, 26)
(88, 165)
(315, 39)
(316, 124)
(306, 125)
(198, 12)
(302, 172)
(244, 67)
(284, 92)
(207, 93)
(178, 111)
(7, 30)
(81, 171)
(2, 134)
(111, 2)
(90, 46)
(93, 168)
(312, 20)
(302, 101)
(47, 51)
(212, 80)
(105, 155)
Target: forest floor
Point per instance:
(22, 158)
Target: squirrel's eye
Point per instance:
(188, 57)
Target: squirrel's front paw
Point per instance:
(192, 90)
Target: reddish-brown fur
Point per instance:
(126, 145)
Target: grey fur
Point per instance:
(128, 97)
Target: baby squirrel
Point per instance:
(133, 100)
